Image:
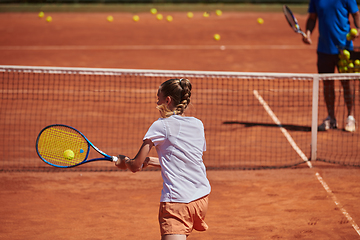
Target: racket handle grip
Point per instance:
(114, 158)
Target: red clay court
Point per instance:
(286, 203)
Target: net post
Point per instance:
(314, 117)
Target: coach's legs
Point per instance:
(348, 96)
(326, 63)
(329, 96)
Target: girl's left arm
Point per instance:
(136, 163)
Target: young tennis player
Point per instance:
(180, 143)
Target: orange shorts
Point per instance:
(182, 218)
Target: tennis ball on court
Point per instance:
(206, 14)
(69, 154)
(110, 18)
(260, 21)
(218, 12)
(136, 18)
(357, 62)
(159, 16)
(217, 37)
(153, 10)
(49, 19)
(351, 65)
(41, 14)
(353, 32)
(169, 18)
(190, 15)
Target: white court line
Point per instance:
(302, 155)
(342, 209)
(283, 130)
(153, 47)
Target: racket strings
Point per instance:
(291, 19)
(54, 141)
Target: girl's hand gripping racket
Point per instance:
(64, 147)
(292, 20)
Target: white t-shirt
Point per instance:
(180, 143)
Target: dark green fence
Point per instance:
(160, 1)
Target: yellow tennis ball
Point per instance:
(206, 14)
(217, 37)
(153, 10)
(110, 18)
(357, 62)
(159, 16)
(349, 37)
(49, 19)
(353, 32)
(69, 154)
(190, 15)
(136, 18)
(346, 54)
(218, 12)
(260, 20)
(169, 18)
(41, 14)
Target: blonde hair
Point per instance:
(180, 92)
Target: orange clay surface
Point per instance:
(265, 204)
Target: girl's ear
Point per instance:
(168, 100)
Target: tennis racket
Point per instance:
(292, 20)
(65, 147)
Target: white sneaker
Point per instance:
(350, 124)
(328, 123)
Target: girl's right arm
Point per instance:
(152, 161)
(140, 159)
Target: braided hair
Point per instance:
(180, 92)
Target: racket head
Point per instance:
(55, 139)
(292, 20)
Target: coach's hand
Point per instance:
(307, 39)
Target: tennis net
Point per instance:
(252, 120)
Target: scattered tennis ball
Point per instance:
(190, 15)
(351, 65)
(69, 154)
(217, 37)
(260, 20)
(110, 18)
(153, 11)
(218, 12)
(353, 32)
(41, 14)
(136, 18)
(206, 14)
(357, 62)
(159, 16)
(169, 18)
(49, 19)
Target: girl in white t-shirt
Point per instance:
(180, 143)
